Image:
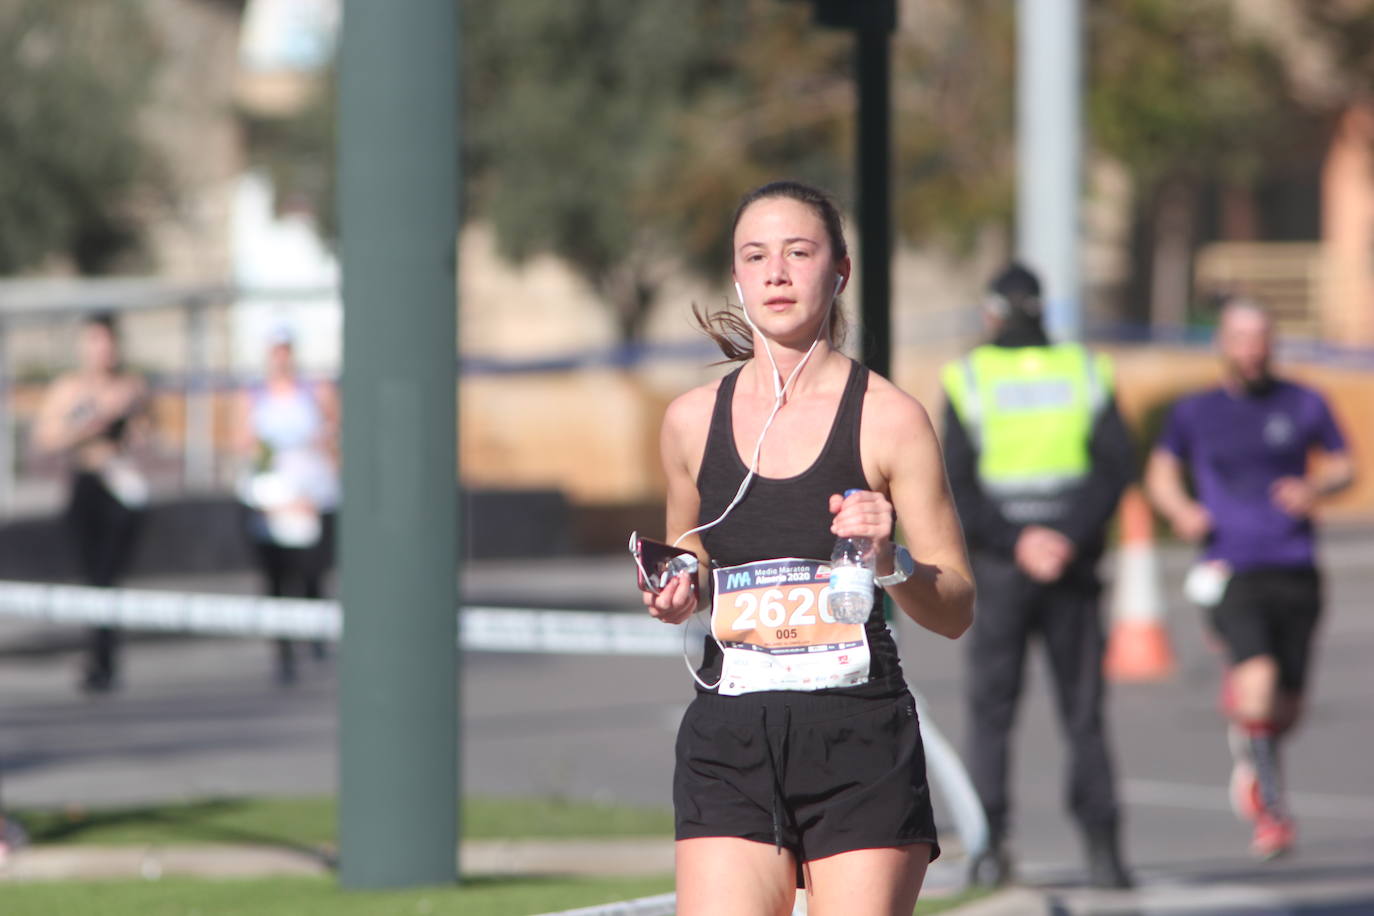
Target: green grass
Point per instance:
(309, 823)
(319, 897)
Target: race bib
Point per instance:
(773, 622)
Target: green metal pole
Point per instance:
(398, 200)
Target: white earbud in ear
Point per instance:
(739, 291)
(839, 285)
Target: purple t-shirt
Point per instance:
(1236, 447)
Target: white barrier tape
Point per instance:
(569, 632)
(486, 629)
(192, 612)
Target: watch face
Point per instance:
(903, 565)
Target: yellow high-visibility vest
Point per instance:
(1029, 412)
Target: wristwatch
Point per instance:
(903, 566)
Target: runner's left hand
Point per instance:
(865, 514)
(1294, 496)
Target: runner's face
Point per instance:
(280, 359)
(786, 268)
(1245, 340)
(99, 352)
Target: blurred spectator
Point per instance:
(12, 837)
(1038, 457)
(91, 415)
(287, 434)
(1247, 445)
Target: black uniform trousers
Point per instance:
(1012, 609)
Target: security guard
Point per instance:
(1037, 456)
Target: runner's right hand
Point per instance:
(1191, 522)
(675, 602)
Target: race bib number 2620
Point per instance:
(773, 621)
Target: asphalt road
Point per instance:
(199, 717)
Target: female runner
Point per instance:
(800, 763)
(90, 415)
(287, 431)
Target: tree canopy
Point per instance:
(1175, 88)
(618, 136)
(75, 75)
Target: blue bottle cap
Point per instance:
(851, 491)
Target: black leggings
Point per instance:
(104, 532)
(295, 572)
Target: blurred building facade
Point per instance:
(1300, 237)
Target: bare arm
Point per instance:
(678, 600)
(1164, 485)
(939, 595)
(55, 430)
(138, 409)
(1299, 496)
(1335, 473)
(327, 396)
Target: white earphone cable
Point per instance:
(779, 395)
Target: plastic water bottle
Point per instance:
(851, 578)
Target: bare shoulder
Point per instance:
(691, 410)
(63, 388)
(892, 412)
(686, 423)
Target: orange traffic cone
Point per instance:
(1138, 648)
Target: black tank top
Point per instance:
(788, 516)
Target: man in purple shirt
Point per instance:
(1247, 446)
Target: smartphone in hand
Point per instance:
(656, 563)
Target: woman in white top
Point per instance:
(287, 434)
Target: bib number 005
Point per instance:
(774, 608)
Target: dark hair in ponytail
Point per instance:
(726, 326)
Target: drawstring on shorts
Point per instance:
(773, 765)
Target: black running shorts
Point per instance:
(1271, 612)
(819, 774)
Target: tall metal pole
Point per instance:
(1049, 155)
(873, 178)
(398, 183)
(198, 451)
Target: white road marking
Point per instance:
(1213, 798)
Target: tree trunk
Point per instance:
(1172, 255)
(630, 295)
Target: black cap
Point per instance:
(1016, 282)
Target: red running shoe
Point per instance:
(1273, 837)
